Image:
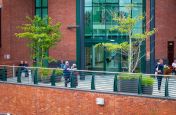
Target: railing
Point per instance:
(133, 83)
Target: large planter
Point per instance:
(128, 86)
(45, 80)
(48, 79)
(147, 90)
(58, 78)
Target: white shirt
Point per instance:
(174, 64)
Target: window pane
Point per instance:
(88, 2)
(44, 12)
(88, 20)
(44, 3)
(111, 1)
(99, 21)
(124, 2)
(137, 1)
(136, 11)
(38, 12)
(38, 3)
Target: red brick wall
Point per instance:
(166, 25)
(28, 100)
(64, 11)
(13, 15)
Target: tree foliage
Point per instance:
(42, 35)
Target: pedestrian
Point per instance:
(159, 70)
(66, 73)
(174, 67)
(62, 64)
(74, 75)
(26, 69)
(20, 68)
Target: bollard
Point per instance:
(140, 85)
(4, 74)
(53, 78)
(93, 82)
(36, 76)
(115, 88)
(72, 80)
(19, 75)
(166, 88)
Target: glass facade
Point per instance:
(97, 23)
(41, 8)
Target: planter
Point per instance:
(147, 90)
(47, 80)
(129, 86)
(58, 78)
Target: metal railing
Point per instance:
(135, 83)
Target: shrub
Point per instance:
(59, 72)
(147, 81)
(128, 76)
(45, 73)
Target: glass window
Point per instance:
(99, 21)
(88, 20)
(137, 1)
(111, 1)
(38, 12)
(38, 3)
(44, 3)
(44, 12)
(88, 2)
(124, 2)
(41, 9)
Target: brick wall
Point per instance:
(28, 100)
(166, 25)
(65, 12)
(13, 15)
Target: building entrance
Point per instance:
(170, 52)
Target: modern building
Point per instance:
(86, 23)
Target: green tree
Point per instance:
(42, 35)
(132, 47)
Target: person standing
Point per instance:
(159, 69)
(66, 73)
(62, 64)
(174, 67)
(74, 74)
(26, 69)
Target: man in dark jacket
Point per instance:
(159, 69)
(66, 73)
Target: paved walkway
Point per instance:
(105, 83)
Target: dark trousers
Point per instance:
(159, 78)
(67, 80)
(174, 72)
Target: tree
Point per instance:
(132, 47)
(42, 35)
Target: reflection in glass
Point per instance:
(98, 22)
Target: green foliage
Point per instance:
(147, 81)
(113, 47)
(42, 35)
(45, 73)
(127, 76)
(59, 72)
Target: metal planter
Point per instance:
(128, 86)
(148, 90)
